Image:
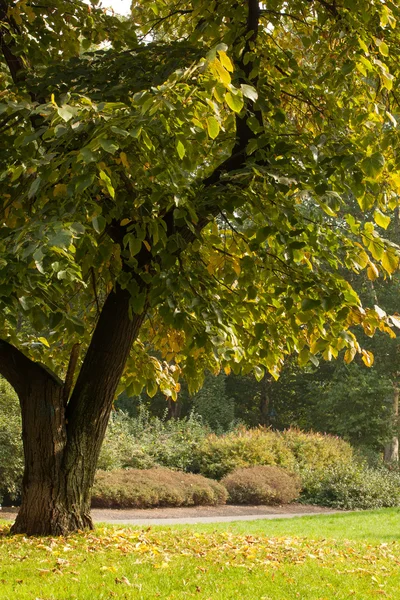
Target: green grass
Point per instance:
(376, 526)
(355, 556)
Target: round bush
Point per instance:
(262, 485)
(147, 488)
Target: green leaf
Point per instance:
(235, 102)
(108, 145)
(87, 155)
(147, 141)
(213, 127)
(135, 245)
(258, 373)
(99, 223)
(137, 303)
(34, 187)
(373, 165)
(151, 388)
(62, 239)
(83, 182)
(310, 303)
(249, 92)
(180, 149)
(66, 112)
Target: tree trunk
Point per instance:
(62, 441)
(264, 402)
(174, 409)
(391, 452)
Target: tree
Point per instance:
(162, 195)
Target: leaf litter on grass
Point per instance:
(160, 549)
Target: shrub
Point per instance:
(262, 485)
(351, 487)
(11, 452)
(145, 442)
(121, 448)
(135, 488)
(293, 450)
(317, 450)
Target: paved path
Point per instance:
(194, 520)
(194, 514)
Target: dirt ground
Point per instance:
(193, 512)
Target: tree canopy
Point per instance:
(203, 158)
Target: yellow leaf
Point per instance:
(390, 261)
(367, 358)
(225, 60)
(227, 370)
(381, 219)
(221, 72)
(372, 272)
(147, 245)
(236, 267)
(44, 342)
(125, 222)
(349, 355)
(60, 190)
(124, 160)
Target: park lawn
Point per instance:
(308, 558)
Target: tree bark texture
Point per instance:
(62, 442)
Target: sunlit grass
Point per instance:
(353, 555)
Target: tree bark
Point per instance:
(62, 443)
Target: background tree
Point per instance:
(124, 173)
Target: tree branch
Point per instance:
(15, 63)
(19, 370)
(69, 378)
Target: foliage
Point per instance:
(291, 449)
(134, 488)
(121, 448)
(351, 487)
(11, 455)
(261, 485)
(147, 441)
(346, 555)
(213, 405)
(199, 176)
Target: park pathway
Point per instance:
(194, 514)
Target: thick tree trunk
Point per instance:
(62, 442)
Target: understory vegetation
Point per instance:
(150, 461)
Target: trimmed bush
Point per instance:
(292, 449)
(135, 488)
(351, 487)
(262, 485)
